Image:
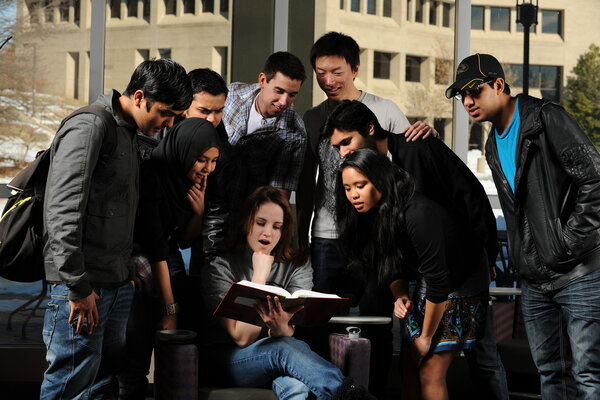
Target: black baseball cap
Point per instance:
(474, 70)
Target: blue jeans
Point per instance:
(287, 364)
(84, 366)
(485, 367)
(563, 329)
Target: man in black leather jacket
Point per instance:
(547, 173)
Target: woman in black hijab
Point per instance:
(172, 187)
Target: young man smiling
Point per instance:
(266, 133)
(547, 172)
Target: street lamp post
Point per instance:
(527, 16)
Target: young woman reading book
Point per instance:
(246, 355)
(172, 187)
(397, 235)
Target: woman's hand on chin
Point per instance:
(261, 264)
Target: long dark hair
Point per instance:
(371, 240)
(262, 195)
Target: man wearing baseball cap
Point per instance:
(547, 173)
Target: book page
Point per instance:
(310, 293)
(267, 288)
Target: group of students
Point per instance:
(392, 205)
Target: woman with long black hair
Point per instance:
(395, 235)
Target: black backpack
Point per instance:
(21, 224)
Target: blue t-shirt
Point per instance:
(507, 147)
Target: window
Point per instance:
(115, 8)
(413, 69)
(142, 55)
(146, 9)
(189, 6)
(387, 8)
(381, 65)
(477, 17)
(224, 8)
(355, 5)
(164, 53)
(550, 82)
(76, 12)
(33, 8)
(551, 21)
(63, 9)
(132, 8)
(208, 6)
(371, 6)
(169, 7)
(500, 19)
(446, 14)
(408, 9)
(443, 71)
(341, 4)
(419, 10)
(433, 5)
(534, 76)
(48, 10)
(514, 74)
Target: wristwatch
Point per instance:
(171, 309)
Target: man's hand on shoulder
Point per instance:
(84, 309)
(419, 130)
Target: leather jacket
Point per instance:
(553, 217)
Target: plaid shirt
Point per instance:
(272, 155)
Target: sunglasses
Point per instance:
(474, 92)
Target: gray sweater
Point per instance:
(229, 268)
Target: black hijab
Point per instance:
(175, 155)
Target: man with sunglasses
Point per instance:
(547, 172)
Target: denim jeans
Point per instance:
(485, 367)
(563, 329)
(81, 365)
(287, 364)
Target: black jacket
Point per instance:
(553, 217)
(443, 177)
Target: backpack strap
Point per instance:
(109, 144)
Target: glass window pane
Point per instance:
(551, 21)
(413, 69)
(446, 14)
(355, 5)
(419, 10)
(132, 6)
(514, 74)
(381, 66)
(477, 17)
(549, 77)
(169, 7)
(408, 9)
(500, 19)
(146, 9)
(189, 6)
(164, 53)
(225, 8)
(387, 8)
(115, 8)
(433, 5)
(534, 76)
(371, 6)
(208, 6)
(48, 10)
(64, 10)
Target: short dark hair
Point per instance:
(506, 86)
(162, 80)
(207, 80)
(286, 63)
(336, 44)
(353, 116)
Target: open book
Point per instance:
(240, 299)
